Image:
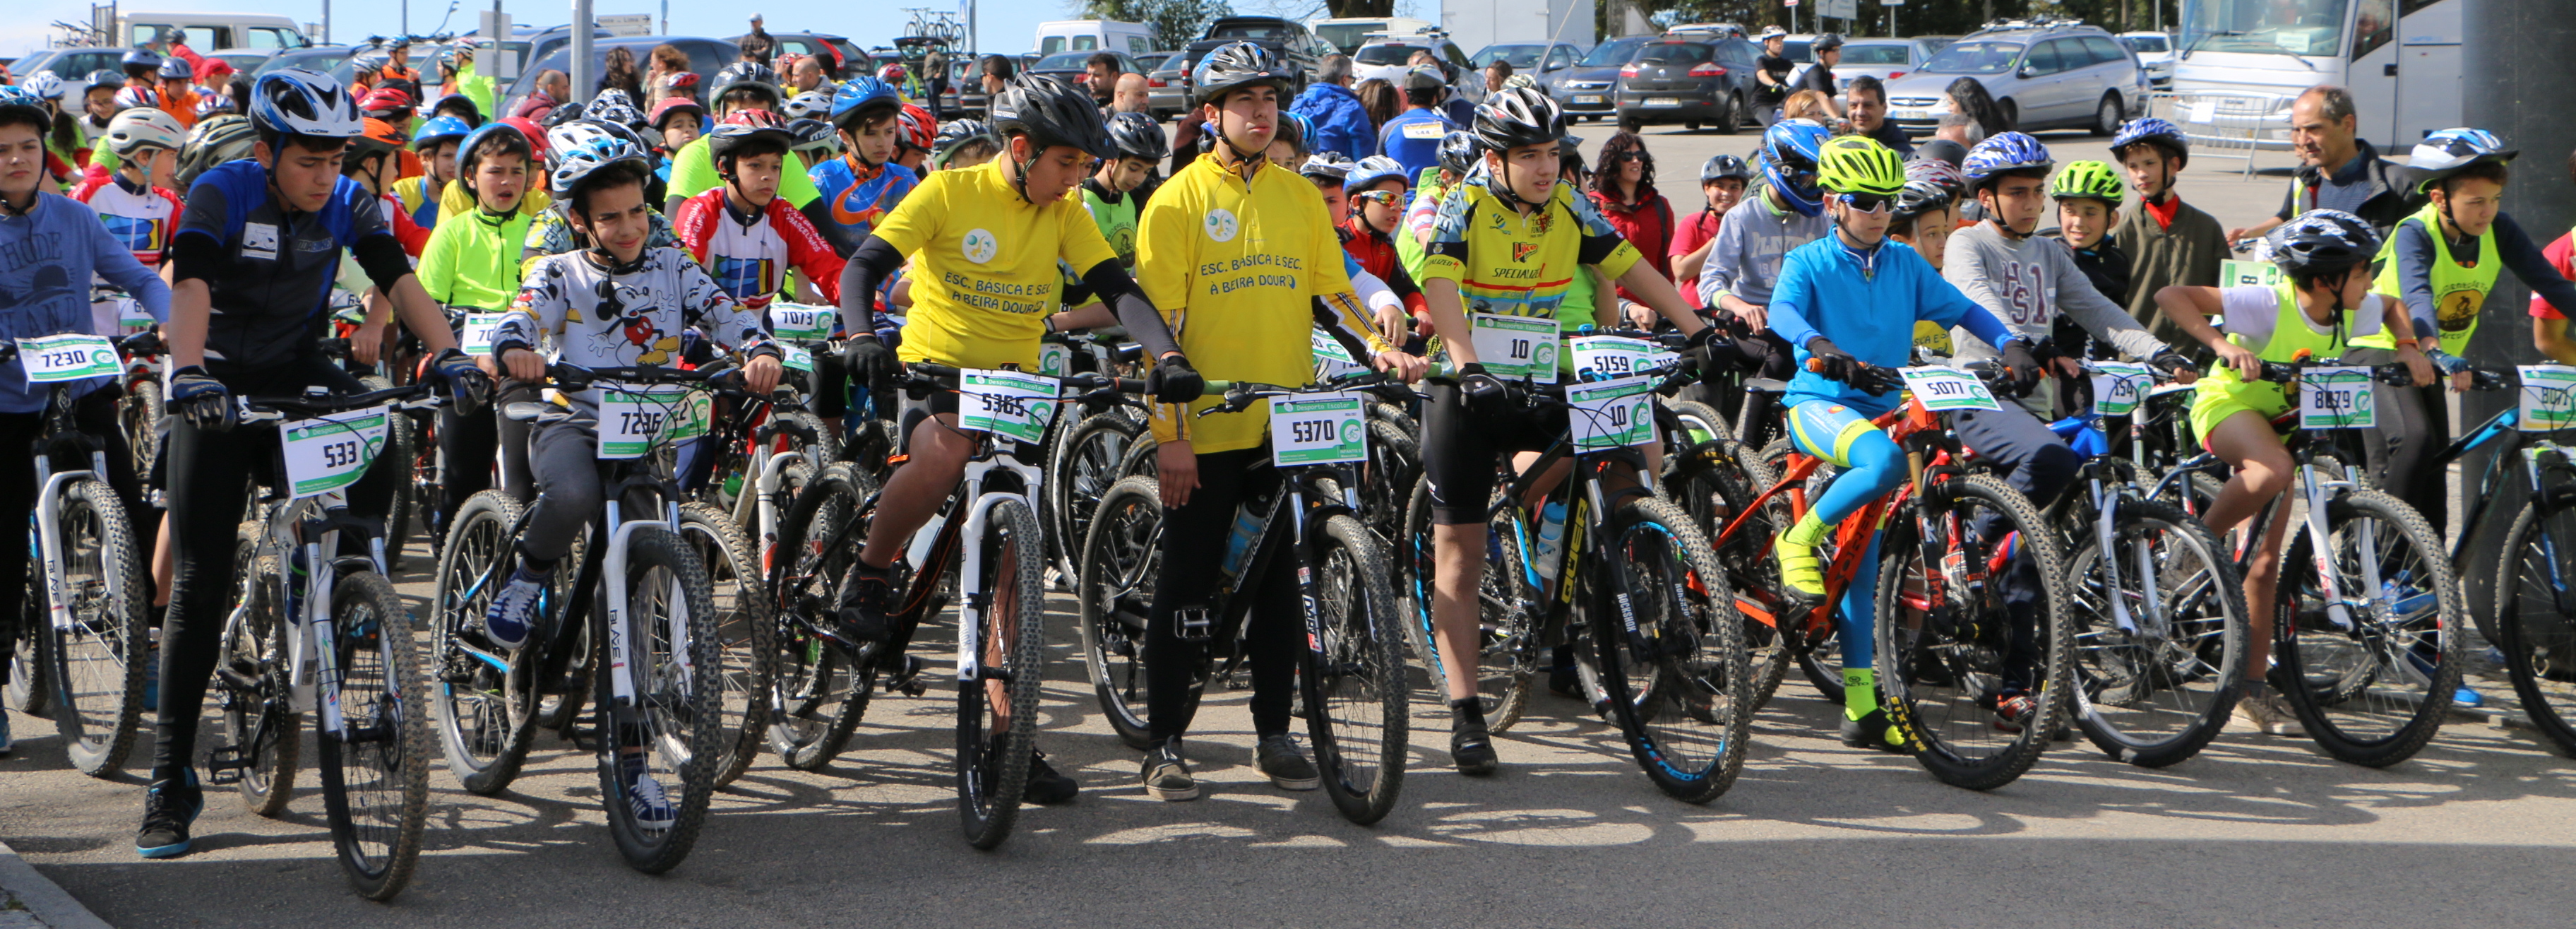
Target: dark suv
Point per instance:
(1692, 83)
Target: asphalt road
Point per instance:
(2255, 831)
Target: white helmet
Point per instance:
(573, 150)
(299, 102)
(141, 127)
(44, 84)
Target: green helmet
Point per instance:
(2086, 179)
(1859, 165)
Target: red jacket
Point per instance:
(1376, 255)
(1649, 227)
(750, 260)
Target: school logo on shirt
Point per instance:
(1221, 226)
(979, 245)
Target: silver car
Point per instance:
(1884, 59)
(2156, 51)
(2046, 75)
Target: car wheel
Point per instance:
(1733, 117)
(2011, 114)
(2106, 115)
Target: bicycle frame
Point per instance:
(48, 515)
(1851, 538)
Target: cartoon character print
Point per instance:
(627, 321)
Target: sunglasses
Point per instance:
(1868, 203)
(1377, 196)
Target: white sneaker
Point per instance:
(2269, 714)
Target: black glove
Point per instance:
(465, 380)
(1174, 381)
(1482, 392)
(2022, 365)
(2173, 362)
(868, 361)
(205, 402)
(1832, 362)
(1715, 352)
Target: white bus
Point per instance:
(2401, 58)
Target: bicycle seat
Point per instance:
(523, 411)
(1764, 385)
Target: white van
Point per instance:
(1090, 35)
(1348, 33)
(207, 32)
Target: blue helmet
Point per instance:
(1305, 129)
(439, 129)
(2153, 131)
(861, 98)
(26, 104)
(1373, 169)
(1790, 149)
(2445, 153)
(2010, 151)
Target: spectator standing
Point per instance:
(618, 73)
(665, 61)
(936, 64)
(758, 45)
(2170, 243)
(1624, 188)
(1341, 121)
(552, 87)
(1969, 97)
(1866, 104)
(1101, 72)
(1413, 137)
(2338, 170)
(1131, 95)
(1379, 98)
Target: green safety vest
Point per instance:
(1117, 223)
(2459, 291)
(2290, 333)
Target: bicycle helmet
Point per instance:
(1936, 172)
(662, 111)
(2321, 242)
(1425, 77)
(1137, 136)
(1826, 43)
(1050, 112)
(473, 113)
(893, 74)
(613, 106)
(1328, 165)
(138, 58)
(386, 99)
(175, 68)
(2449, 151)
(1236, 65)
(535, 134)
(137, 95)
(1296, 129)
(134, 129)
(2082, 180)
(742, 126)
(1458, 153)
(20, 105)
(1922, 196)
(213, 142)
(1374, 168)
(747, 75)
(103, 78)
(2003, 153)
(378, 141)
(44, 84)
(469, 152)
(862, 98)
(920, 130)
(956, 133)
(623, 131)
(812, 104)
(1512, 118)
(439, 129)
(582, 148)
(1855, 164)
(815, 140)
(1790, 150)
(371, 61)
(2152, 131)
(212, 104)
(566, 113)
(1725, 166)
(297, 103)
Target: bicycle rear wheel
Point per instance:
(1121, 558)
(2156, 693)
(258, 721)
(671, 732)
(816, 697)
(1945, 662)
(1816, 646)
(1508, 652)
(375, 775)
(2375, 693)
(744, 629)
(1386, 485)
(1080, 469)
(138, 415)
(97, 659)
(483, 699)
(413, 497)
(1715, 484)
(1672, 651)
(2536, 614)
(1355, 689)
(997, 711)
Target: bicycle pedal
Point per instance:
(1196, 623)
(907, 678)
(224, 766)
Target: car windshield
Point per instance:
(1796, 51)
(1521, 56)
(1665, 53)
(1387, 54)
(2275, 27)
(1982, 57)
(1613, 53)
(1273, 31)
(1887, 54)
(1069, 61)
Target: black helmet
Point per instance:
(214, 141)
(1518, 116)
(1921, 196)
(1826, 43)
(2322, 242)
(1236, 65)
(1050, 112)
(1137, 136)
(1725, 166)
(1458, 153)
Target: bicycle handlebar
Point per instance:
(275, 409)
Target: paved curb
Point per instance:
(52, 906)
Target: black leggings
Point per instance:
(466, 443)
(1460, 448)
(210, 476)
(95, 415)
(1194, 543)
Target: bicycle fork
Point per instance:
(2106, 503)
(621, 674)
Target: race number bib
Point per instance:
(1055, 359)
(1516, 347)
(802, 322)
(1331, 359)
(67, 358)
(2336, 397)
(795, 358)
(326, 454)
(2119, 387)
(1424, 130)
(1611, 414)
(1010, 404)
(2548, 401)
(1314, 429)
(1604, 357)
(633, 419)
(131, 315)
(1940, 389)
(478, 332)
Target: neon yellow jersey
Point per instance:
(983, 273)
(2459, 290)
(1519, 264)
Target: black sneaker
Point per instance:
(864, 603)
(1046, 786)
(1873, 731)
(168, 809)
(1279, 757)
(1471, 748)
(1167, 775)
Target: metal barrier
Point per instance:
(2227, 126)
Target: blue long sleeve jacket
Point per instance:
(1867, 303)
(47, 258)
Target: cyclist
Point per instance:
(920, 133)
(1109, 193)
(1845, 301)
(1377, 184)
(1328, 171)
(988, 242)
(1511, 239)
(552, 231)
(1926, 212)
(1457, 160)
(2088, 198)
(742, 232)
(50, 247)
(1758, 233)
(962, 144)
(860, 187)
(2169, 242)
(472, 264)
(742, 85)
(1202, 257)
(135, 210)
(2324, 301)
(257, 247)
(678, 121)
(1722, 181)
(436, 146)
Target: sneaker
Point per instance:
(2269, 714)
(1279, 757)
(863, 605)
(1801, 576)
(2468, 697)
(168, 809)
(1167, 774)
(1471, 748)
(1046, 786)
(1873, 731)
(506, 622)
(2014, 710)
(644, 797)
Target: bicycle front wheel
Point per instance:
(815, 696)
(2371, 689)
(2536, 614)
(259, 723)
(1672, 651)
(1716, 484)
(997, 711)
(658, 753)
(375, 773)
(97, 658)
(747, 658)
(1354, 683)
(1121, 559)
(1080, 469)
(484, 699)
(2156, 692)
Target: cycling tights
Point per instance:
(1194, 547)
(1872, 466)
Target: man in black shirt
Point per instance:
(1867, 107)
(1771, 76)
(1819, 77)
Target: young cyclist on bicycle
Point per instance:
(1744, 260)
(1110, 193)
(437, 143)
(986, 245)
(1238, 253)
(864, 184)
(1510, 241)
(256, 251)
(2325, 302)
(741, 231)
(472, 264)
(50, 247)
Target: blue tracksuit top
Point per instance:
(1823, 291)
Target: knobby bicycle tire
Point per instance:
(1508, 650)
(1671, 651)
(993, 758)
(2153, 701)
(1079, 470)
(2376, 694)
(671, 708)
(816, 698)
(1121, 558)
(1715, 483)
(2535, 617)
(486, 712)
(139, 415)
(1818, 653)
(375, 784)
(1355, 692)
(97, 661)
(260, 723)
(745, 633)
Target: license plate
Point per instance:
(1663, 101)
(1587, 98)
(1909, 114)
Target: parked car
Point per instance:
(706, 57)
(2154, 50)
(1167, 87)
(2043, 76)
(70, 64)
(1702, 32)
(323, 58)
(1091, 35)
(1070, 67)
(1147, 62)
(1544, 62)
(1286, 36)
(1884, 59)
(965, 94)
(1692, 83)
(244, 60)
(1347, 34)
(1385, 58)
(1591, 87)
(216, 30)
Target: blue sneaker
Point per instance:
(2466, 696)
(506, 622)
(168, 809)
(644, 796)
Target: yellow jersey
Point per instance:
(984, 275)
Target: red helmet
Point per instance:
(386, 100)
(755, 118)
(536, 136)
(920, 129)
(891, 74)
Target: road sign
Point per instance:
(1839, 9)
(627, 24)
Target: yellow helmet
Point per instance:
(1859, 165)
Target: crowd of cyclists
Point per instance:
(841, 257)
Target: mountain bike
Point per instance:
(316, 630)
(2534, 619)
(1351, 677)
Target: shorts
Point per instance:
(1460, 450)
(1825, 429)
(2209, 409)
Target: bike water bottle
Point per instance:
(1551, 538)
(1238, 542)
